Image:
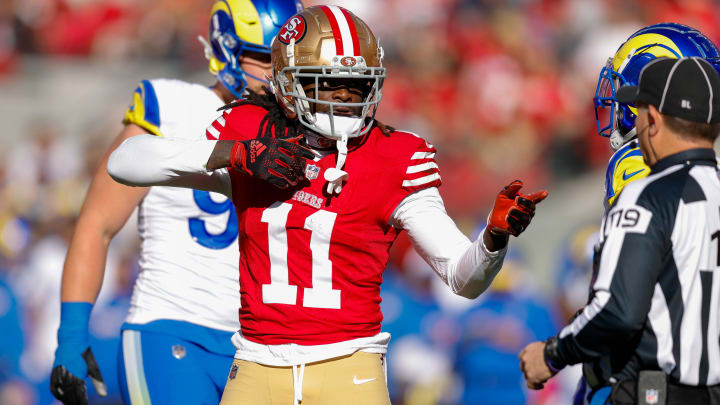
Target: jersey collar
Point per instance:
(699, 156)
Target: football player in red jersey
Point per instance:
(321, 191)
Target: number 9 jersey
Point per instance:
(188, 259)
(311, 263)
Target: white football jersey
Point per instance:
(189, 255)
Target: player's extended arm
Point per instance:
(148, 160)
(106, 208)
(467, 267)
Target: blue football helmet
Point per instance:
(243, 26)
(670, 40)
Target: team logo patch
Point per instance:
(348, 61)
(294, 29)
(651, 396)
(178, 351)
(233, 372)
(311, 172)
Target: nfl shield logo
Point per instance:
(651, 396)
(233, 372)
(178, 351)
(311, 172)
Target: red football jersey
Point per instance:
(311, 264)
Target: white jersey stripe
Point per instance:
(134, 371)
(214, 132)
(713, 332)
(691, 335)
(348, 47)
(691, 347)
(422, 167)
(221, 120)
(423, 155)
(421, 180)
(590, 311)
(659, 317)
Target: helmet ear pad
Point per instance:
(625, 118)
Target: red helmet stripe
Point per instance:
(335, 29)
(353, 32)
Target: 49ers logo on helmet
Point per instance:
(348, 61)
(293, 29)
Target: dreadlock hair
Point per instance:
(276, 122)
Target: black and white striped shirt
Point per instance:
(656, 294)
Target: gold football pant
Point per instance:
(354, 379)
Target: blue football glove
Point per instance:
(73, 359)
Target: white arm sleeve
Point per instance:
(466, 267)
(148, 160)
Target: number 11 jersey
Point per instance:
(311, 263)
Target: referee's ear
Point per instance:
(656, 123)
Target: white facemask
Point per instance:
(344, 126)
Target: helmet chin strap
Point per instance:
(342, 128)
(617, 140)
(336, 176)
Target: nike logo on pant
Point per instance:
(358, 382)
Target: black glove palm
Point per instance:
(70, 389)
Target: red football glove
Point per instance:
(513, 211)
(281, 162)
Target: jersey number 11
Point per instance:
(280, 291)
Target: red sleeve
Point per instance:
(415, 169)
(236, 124)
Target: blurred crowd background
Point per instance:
(502, 88)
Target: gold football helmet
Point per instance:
(327, 42)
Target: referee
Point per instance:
(651, 332)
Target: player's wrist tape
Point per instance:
(74, 321)
(552, 359)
